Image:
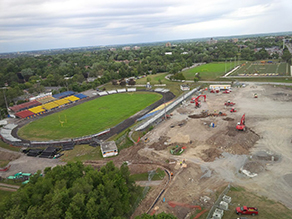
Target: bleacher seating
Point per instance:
(24, 106)
(24, 114)
(80, 96)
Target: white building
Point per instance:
(220, 87)
(108, 149)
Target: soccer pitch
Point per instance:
(209, 71)
(263, 68)
(88, 118)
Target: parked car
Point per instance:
(247, 211)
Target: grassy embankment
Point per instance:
(268, 209)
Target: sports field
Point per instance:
(263, 68)
(209, 71)
(88, 118)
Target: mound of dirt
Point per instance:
(160, 145)
(8, 156)
(228, 119)
(265, 156)
(234, 141)
(254, 167)
(210, 154)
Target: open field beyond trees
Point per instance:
(210, 71)
(263, 68)
(88, 118)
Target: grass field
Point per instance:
(159, 175)
(268, 209)
(88, 118)
(82, 153)
(209, 71)
(263, 68)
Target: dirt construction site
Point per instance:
(258, 159)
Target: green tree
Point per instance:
(158, 216)
(74, 191)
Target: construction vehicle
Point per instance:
(241, 125)
(226, 91)
(229, 103)
(5, 169)
(247, 211)
(214, 91)
(196, 100)
(233, 110)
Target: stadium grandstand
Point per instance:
(63, 94)
(24, 106)
(37, 110)
(80, 96)
(46, 99)
(33, 108)
(72, 98)
(24, 114)
(62, 102)
(50, 106)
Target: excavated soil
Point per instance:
(6, 155)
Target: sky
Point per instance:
(27, 25)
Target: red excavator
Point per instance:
(233, 110)
(229, 103)
(196, 100)
(5, 169)
(241, 126)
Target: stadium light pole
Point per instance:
(164, 106)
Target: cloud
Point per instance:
(62, 23)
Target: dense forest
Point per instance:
(27, 75)
(75, 191)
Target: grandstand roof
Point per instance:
(80, 96)
(49, 106)
(24, 114)
(24, 106)
(61, 102)
(72, 98)
(64, 94)
(46, 99)
(37, 109)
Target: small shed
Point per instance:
(184, 87)
(108, 149)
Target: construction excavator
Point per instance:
(233, 110)
(241, 125)
(229, 103)
(196, 100)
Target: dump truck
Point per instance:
(247, 211)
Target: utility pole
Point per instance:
(5, 98)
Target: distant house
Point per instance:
(168, 53)
(136, 48)
(108, 149)
(168, 44)
(126, 48)
(91, 79)
(112, 49)
(212, 41)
